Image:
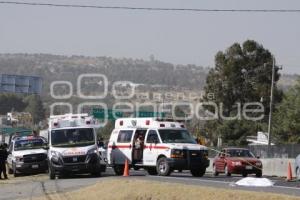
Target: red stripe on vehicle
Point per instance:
(156, 147)
(119, 146)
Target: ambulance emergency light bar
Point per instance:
(146, 123)
(72, 120)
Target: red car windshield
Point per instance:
(239, 153)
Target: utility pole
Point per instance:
(271, 107)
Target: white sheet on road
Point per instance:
(255, 182)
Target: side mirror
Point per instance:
(101, 144)
(104, 146)
(46, 147)
(258, 157)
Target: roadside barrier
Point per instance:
(126, 168)
(289, 176)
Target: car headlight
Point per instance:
(258, 164)
(19, 158)
(92, 151)
(55, 153)
(176, 153)
(237, 163)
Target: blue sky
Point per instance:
(176, 37)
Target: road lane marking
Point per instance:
(200, 180)
(223, 182)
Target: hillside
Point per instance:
(149, 73)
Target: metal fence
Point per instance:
(276, 151)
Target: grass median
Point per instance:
(122, 189)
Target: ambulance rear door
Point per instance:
(122, 149)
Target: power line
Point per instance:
(151, 8)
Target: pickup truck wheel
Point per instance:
(163, 167)
(15, 170)
(51, 173)
(96, 174)
(151, 171)
(10, 170)
(103, 168)
(119, 169)
(198, 172)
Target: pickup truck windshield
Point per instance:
(29, 144)
(176, 136)
(72, 137)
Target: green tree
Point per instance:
(242, 74)
(11, 102)
(287, 117)
(35, 108)
(105, 132)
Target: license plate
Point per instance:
(75, 159)
(35, 166)
(248, 167)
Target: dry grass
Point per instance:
(131, 189)
(13, 180)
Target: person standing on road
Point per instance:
(3, 158)
(138, 148)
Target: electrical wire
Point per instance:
(150, 8)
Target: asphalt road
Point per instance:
(27, 187)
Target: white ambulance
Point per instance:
(73, 145)
(158, 146)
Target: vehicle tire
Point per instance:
(151, 171)
(244, 174)
(163, 167)
(198, 172)
(227, 173)
(136, 168)
(298, 173)
(96, 174)
(10, 171)
(215, 172)
(51, 173)
(119, 169)
(258, 174)
(14, 169)
(103, 168)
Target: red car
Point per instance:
(237, 161)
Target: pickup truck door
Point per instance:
(10, 157)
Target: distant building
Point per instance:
(260, 139)
(20, 119)
(20, 84)
(14, 123)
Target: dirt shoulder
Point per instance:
(124, 189)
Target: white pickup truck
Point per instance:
(27, 155)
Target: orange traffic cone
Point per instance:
(126, 168)
(289, 173)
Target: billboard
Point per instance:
(20, 84)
